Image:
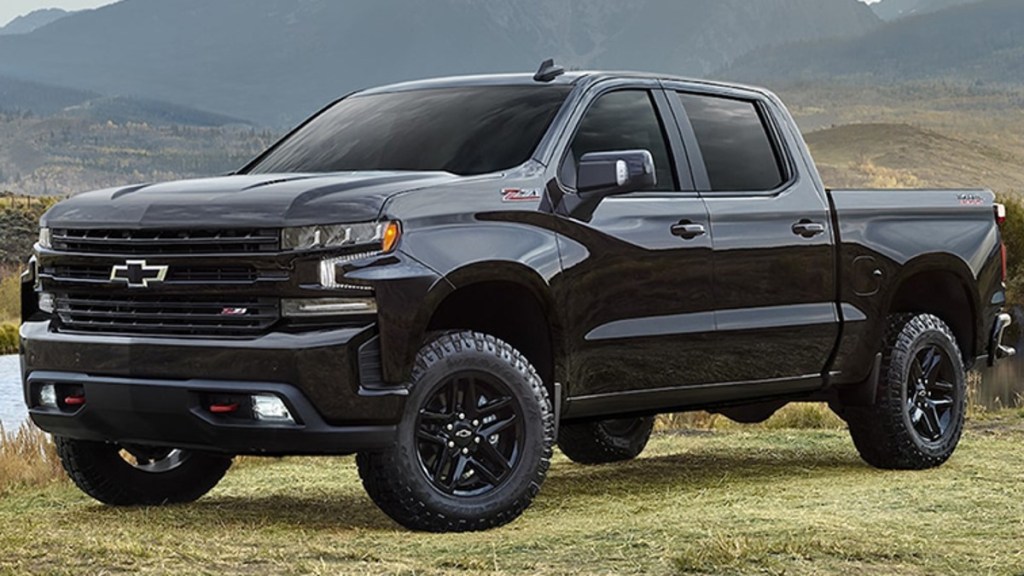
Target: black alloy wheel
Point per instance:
(469, 434)
(931, 394)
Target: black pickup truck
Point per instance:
(449, 277)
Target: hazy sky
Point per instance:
(11, 9)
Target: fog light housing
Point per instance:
(270, 408)
(312, 307)
(48, 396)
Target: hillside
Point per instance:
(23, 97)
(66, 155)
(123, 110)
(976, 43)
(274, 61)
(18, 96)
(905, 156)
(33, 20)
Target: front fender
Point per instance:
(406, 290)
(517, 247)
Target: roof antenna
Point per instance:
(548, 71)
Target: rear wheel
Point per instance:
(474, 445)
(603, 441)
(139, 475)
(920, 406)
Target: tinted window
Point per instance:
(737, 150)
(460, 130)
(624, 121)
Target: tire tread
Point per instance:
(395, 495)
(879, 432)
(89, 465)
(591, 443)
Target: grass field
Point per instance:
(733, 501)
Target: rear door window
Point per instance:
(738, 149)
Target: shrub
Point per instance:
(1013, 236)
(8, 339)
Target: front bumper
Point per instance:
(152, 390)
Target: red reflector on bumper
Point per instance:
(223, 408)
(74, 400)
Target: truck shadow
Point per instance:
(569, 484)
(694, 472)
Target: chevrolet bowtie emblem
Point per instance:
(138, 274)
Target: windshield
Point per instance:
(467, 130)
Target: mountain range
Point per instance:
(32, 21)
(274, 61)
(977, 42)
(896, 9)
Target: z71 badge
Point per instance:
(520, 195)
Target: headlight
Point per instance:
(383, 234)
(329, 270)
(45, 238)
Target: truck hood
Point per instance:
(265, 200)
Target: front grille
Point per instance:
(177, 274)
(151, 242)
(167, 316)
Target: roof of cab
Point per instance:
(571, 78)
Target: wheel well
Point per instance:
(507, 311)
(943, 294)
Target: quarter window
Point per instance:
(738, 150)
(624, 120)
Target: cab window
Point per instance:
(739, 152)
(622, 120)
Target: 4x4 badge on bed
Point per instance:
(138, 274)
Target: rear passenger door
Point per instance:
(774, 274)
(636, 286)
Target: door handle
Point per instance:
(688, 230)
(808, 229)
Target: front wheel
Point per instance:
(920, 406)
(474, 445)
(139, 475)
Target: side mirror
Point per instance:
(603, 174)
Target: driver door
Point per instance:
(637, 278)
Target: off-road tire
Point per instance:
(398, 479)
(604, 441)
(98, 469)
(885, 434)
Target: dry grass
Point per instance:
(27, 458)
(796, 416)
(736, 501)
(10, 295)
